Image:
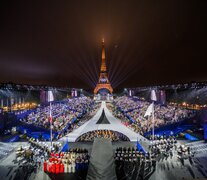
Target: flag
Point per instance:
(65, 147)
(50, 119)
(153, 95)
(50, 96)
(149, 110)
(140, 147)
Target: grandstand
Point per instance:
(77, 121)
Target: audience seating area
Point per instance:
(131, 111)
(65, 115)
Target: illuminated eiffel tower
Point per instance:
(103, 82)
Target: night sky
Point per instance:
(59, 42)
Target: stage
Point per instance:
(115, 125)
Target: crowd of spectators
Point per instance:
(80, 121)
(63, 113)
(107, 134)
(132, 112)
(85, 118)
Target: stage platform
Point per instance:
(102, 164)
(115, 125)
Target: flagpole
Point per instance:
(51, 126)
(153, 123)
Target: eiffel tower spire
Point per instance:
(103, 58)
(103, 82)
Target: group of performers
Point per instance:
(68, 162)
(106, 134)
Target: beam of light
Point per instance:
(190, 95)
(119, 71)
(94, 66)
(87, 66)
(128, 71)
(124, 77)
(80, 68)
(122, 69)
(115, 67)
(116, 63)
(80, 62)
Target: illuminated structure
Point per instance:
(103, 82)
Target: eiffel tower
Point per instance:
(103, 82)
